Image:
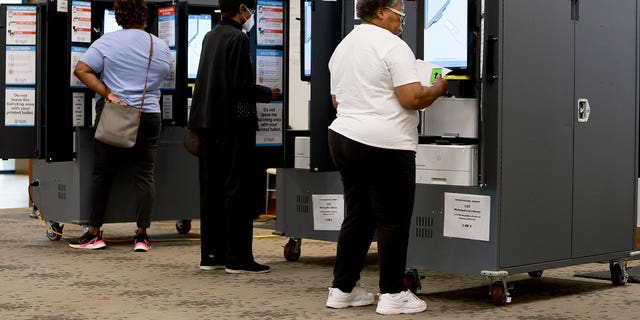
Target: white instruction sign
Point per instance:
(270, 24)
(77, 102)
(76, 54)
(269, 124)
(167, 107)
(20, 107)
(467, 216)
(62, 6)
(328, 211)
(20, 65)
(169, 83)
(21, 25)
(269, 68)
(81, 21)
(167, 25)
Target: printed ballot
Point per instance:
(428, 72)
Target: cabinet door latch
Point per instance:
(583, 110)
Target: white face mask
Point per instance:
(248, 25)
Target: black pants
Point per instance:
(110, 160)
(379, 189)
(227, 195)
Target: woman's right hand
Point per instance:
(442, 85)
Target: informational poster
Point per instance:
(62, 6)
(269, 124)
(270, 23)
(167, 25)
(77, 103)
(328, 211)
(21, 25)
(269, 68)
(167, 107)
(170, 81)
(81, 21)
(467, 216)
(20, 65)
(76, 54)
(20, 107)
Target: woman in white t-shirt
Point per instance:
(377, 93)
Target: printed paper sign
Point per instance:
(77, 102)
(167, 25)
(269, 68)
(328, 211)
(20, 65)
(21, 25)
(170, 81)
(62, 6)
(76, 54)
(270, 23)
(467, 216)
(81, 21)
(167, 107)
(269, 124)
(20, 107)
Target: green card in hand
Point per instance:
(435, 72)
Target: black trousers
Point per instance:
(110, 160)
(227, 195)
(379, 189)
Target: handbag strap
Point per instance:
(144, 91)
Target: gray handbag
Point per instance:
(118, 124)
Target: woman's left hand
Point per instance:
(115, 99)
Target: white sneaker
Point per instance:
(403, 302)
(356, 298)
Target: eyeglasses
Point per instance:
(399, 13)
(252, 11)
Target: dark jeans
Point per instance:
(109, 160)
(379, 189)
(227, 196)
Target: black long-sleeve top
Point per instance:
(226, 80)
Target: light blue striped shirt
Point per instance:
(121, 57)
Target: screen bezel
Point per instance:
(470, 37)
(303, 30)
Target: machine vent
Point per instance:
(424, 227)
(62, 191)
(302, 203)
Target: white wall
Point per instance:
(299, 91)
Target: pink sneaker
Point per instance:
(141, 243)
(88, 241)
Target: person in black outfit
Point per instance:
(223, 113)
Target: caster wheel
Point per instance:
(619, 276)
(183, 226)
(292, 250)
(55, 227)
(535, 274)
(412, 281)
(498, 294)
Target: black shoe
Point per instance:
(252, 267)
(212, 263)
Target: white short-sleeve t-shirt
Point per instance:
(365, 68)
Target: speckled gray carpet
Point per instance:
(43, 279)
